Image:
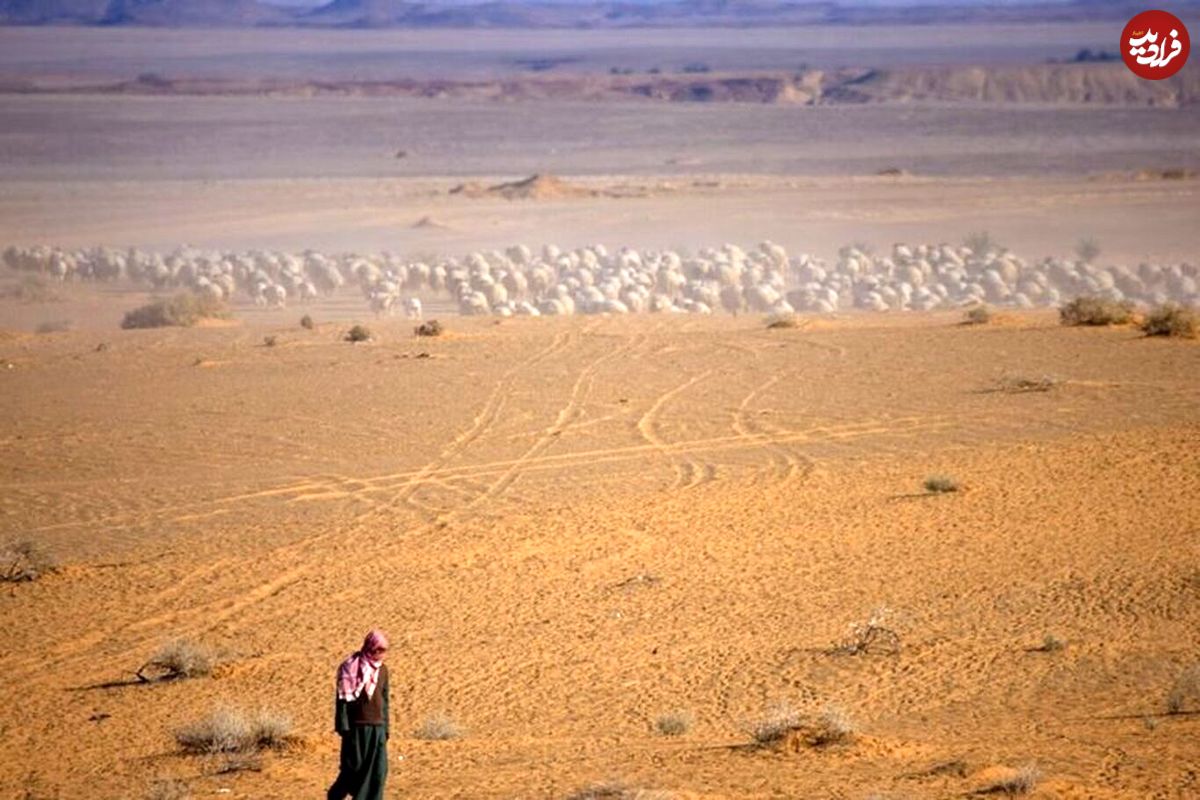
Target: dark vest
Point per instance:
(364, 710)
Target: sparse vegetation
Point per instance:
(1051, 644)
(169, 789)
(438, 727)
(430, 328)
(358, 333)
(615, 790)
(233, 731)
(871, 635)
(940, 484)
(783, 726)
(673, 723)
(307, 323)
(183, 310)
(1010, 780)
(239, 762)
(783, 321)
(178, 659)
(1088, 250)
(24, 561)
(1185, 690)
(978, 315)
(1171, 319)
(270, 341)
(1091, 310)
(1020, 384)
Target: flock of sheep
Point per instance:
(592, 280)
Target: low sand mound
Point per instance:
(428, 222)
(535, 187)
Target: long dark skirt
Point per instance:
(363, 765)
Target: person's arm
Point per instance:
(386, 715)
(341, 716)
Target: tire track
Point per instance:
(687, 471)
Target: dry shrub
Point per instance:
(1185, 689)
(1171, 319)
(24, 561)
(1009, 780)
(1090, 310)
(1022, 384)
(183, 310)
(238, 762)
(233, 731)
(438, 727)
(940, 484)
(270, 341)
(181, 658)
(673, 723)
(616, 790)
(430, 328)
(307, 323)
(776, 321)
(358, 333)
(977, 315)
(169, 789)
(872, 635)
(786, 728)
(1051, 644)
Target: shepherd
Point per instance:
(361, 719)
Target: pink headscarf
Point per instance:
(360, 671)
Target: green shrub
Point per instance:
(1090, 310)
(1171, 319)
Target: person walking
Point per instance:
(361, 719)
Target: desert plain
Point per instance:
(574, 527)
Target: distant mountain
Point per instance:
(163, 13)
(556, 13)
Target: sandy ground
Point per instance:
(571, 527)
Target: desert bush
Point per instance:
(1171, 319)
(1010, 780)
(1052, 644)
(430, 328)
(307, 323)
(1020, 384)
(783, 321)
(231, 763)
(1186, 688)
(358, 333)
(54, 326)
(785, 725)
(24, 561)
(673, 723)
(181, 658)
(940, 484)
(615, 790)
(270, 341)
(232, 731)
(169, 789)
(182, 310)
(978, 315)
(1091, 310)
(870, 635)
(438, 727)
